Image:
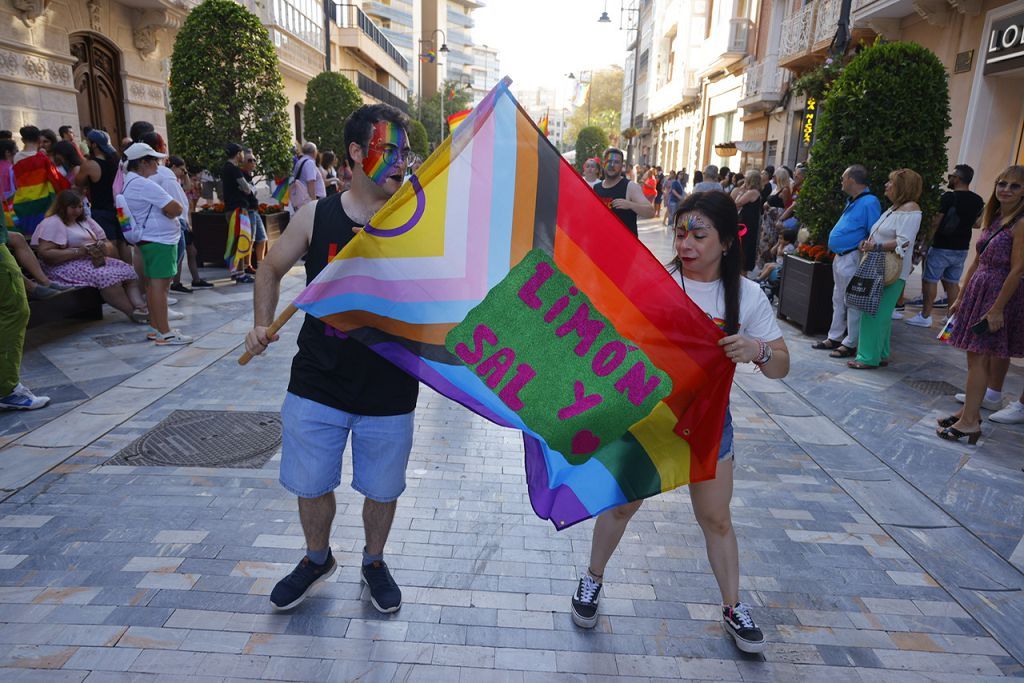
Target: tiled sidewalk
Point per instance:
(121, 573)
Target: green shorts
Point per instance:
(159, 260)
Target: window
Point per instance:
(771, 153)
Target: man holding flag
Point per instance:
(338, 386)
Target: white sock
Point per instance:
(991, 395)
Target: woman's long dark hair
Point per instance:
(720, 209)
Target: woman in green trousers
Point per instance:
(894, 231)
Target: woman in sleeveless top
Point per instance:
(749, 203)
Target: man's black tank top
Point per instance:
(330, 368)
(101, 192)
(618, 191)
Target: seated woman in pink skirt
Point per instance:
(75, 252)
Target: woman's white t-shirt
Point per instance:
(757, 318)
(146, 201)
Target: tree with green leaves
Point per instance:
(605, 105)
(888, 109)
(590, 142)
(453, 95)
(330, 98)
(418, 139)
(226, 86)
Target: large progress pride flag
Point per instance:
(501, 280)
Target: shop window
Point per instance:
(772, 151)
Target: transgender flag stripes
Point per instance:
(498, 278)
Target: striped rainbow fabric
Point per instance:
(281, 192)
(467, 252)
(36, 184)
(456, 119)
(239, 244)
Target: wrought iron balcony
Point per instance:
(797, 34)
(763, 85)
(375, 90)
(350, 16)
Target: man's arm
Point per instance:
(636, 201)
(289, 248)
(172, 209)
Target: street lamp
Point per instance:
(605, 19)
(623, 10)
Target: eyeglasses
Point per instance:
(1014, 187)
(392, 154)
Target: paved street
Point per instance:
(871, 550)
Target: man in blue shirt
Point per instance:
(861, 211)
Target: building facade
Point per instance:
(486, 71)
(362, 51)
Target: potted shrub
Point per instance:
(726, 149)
(805, 294)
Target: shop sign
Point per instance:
(1004, 50)
(809, 111)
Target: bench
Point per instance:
(83, 303)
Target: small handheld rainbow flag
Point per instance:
(239, 244)
(543, 124)
(123, 220)
(455, 119)
(282, 191)
(429, 56)
(947, 331)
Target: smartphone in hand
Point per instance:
(981, 327)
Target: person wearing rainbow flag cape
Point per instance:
(338, 386)
(36, 182)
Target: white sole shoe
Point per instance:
(985, 403)
(1012, 414)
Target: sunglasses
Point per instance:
(392, 154)
(1014, 187)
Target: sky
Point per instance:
(541, 41)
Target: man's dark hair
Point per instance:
(770, 170)
(858, 173)
(965, 172)
(154, 140)
(63, 129)
(7, 146)
(49, 135)
(359, 124)
(6, 135)
(29, 133)
(86, 129)
(175, 160)
(789, 236)
(140, 128)
(724, 172)
(613, 150)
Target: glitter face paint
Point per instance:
(693, 222)
(384, 155)
(612, 160)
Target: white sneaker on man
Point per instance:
(23, 399)
(919, 321)
(175, 315)
(897, 315)
(173, 338)
(986, 403)
(1010, 415)
(171, 301)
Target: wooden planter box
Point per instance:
(805, 298)
(210, 233)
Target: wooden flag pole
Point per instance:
(275, 326)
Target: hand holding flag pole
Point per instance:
(274, 328)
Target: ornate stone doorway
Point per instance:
(97, 75)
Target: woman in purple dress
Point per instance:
(989, 313)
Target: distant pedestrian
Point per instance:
(860, 213)
(259, 230)
(36, 181)
(237, 191)
(592, 170)
(659, 191)
(14, 315)
(307, 183)
(623, 196)
(710, 182)
(749, 204)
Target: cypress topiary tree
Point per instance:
(226, 86)
(590, 142)
(330, 98)
(888, 109)
(418, 139)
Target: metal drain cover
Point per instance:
(930, 387)
(206, 438)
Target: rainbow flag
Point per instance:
(429, 56)
(543, 124)
(239, 244)
(37, 182)
(946, 332)
(282, 191)
(497, 277)
(455, 119)
(123, 220)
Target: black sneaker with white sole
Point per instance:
(584, 602)
(740, 625)
(385, 594)
(294, 588)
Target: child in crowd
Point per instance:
(786, 245)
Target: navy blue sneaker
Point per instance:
(293, 589)
(385, 594)
(740, 625)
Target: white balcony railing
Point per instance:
(762, 85)
(827, 20)
(798, 31)
(739, 34)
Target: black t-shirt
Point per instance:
(617, 191)
(968, 206)
(251, 201)
(234, 198)
(331, 368)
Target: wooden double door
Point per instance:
(97, 76)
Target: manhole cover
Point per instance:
(206, 438)
(930, 387)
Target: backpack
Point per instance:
(130, 227)
(293, 184)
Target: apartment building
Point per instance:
(362, 51)
(486, 71)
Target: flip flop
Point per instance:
(857, 365)
(826, 345)
(843, 352)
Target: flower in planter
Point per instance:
(815, 252)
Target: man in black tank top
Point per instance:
(338, 386)
(624, 197)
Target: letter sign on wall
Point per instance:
(1004, 49)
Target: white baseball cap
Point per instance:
(141, 149)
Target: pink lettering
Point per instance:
(510, 392)
(587, 329)
(636, 385)
(481, 335)
(581, 404)
(528, 292)
(608, 358)
(498, 366)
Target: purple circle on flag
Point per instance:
(421, 205)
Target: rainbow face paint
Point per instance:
(388, 147)
(612, 161)
(693, 222)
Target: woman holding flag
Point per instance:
(707, 266)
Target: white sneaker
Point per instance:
(171, 301)
(1010, 415)
(985, 403)
(919, 321)
(897, 315)
(173, 338)
(22, 399)
(175, 315)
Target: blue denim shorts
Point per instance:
(259, 231)
(944, 264)
(725, 450)
(313, 441)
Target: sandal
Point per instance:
(843, 352)
(826, 345)
(857, 365)
(945, 422)
(954, 434)
(139, 316)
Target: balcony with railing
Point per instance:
(680, 92)
(357, 32)
(797, 35)
(728, 43)
(763, 85)
(375, 90)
